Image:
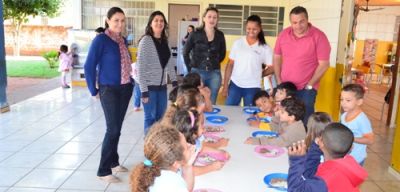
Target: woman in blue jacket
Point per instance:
(109, 53)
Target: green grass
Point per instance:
(34, 69)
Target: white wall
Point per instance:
(325, 15)
(379, 24)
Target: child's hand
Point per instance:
(297, 149)
(223, 142)
(254, 123)
(205, 91)
(226, 154)
(192, 154)
(217, 165)
(252, 141)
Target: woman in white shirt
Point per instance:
(245, 67)
(166, 166)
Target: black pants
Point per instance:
(115, 101)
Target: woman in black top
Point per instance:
(208, 48)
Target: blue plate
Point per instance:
(251, 110)
(264, 120)
(264, 133)
(217, 119)
(269, 177)
(214, 111)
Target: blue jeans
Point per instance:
(154, 109)
(236, 93)
(136, 95)
(308, 98)
(211, 79)
(114, 101)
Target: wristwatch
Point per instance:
(308, 87)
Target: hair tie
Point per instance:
(147, 162)
(175, 104)
(192, 118)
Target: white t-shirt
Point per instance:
(248, 60)
(169, 181)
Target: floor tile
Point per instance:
(78, 148)
(91, 182)
(389, 186)
(9, 176)
(3, 189)
(24, 160)
(5, 155)
(43, 146)
(74, 190)
(45, 178)
(370, 186)
(63, 161)
(24, 189)
(91, 163)
(13, 145)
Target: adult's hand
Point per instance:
(145, 99)
(225, 91)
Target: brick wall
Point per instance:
(36, 39)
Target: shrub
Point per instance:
(51, 58)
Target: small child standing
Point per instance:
(266, 105)
(136, 89)
(65, 65)
(166, 152)
(351, 99)
(291, 112)
(338, 172)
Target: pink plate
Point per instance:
(204, 159)
(213, 129)
(269, 150)
(206, 190)
(210, 138)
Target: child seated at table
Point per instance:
(166, 166)
(316, 124)
(291, 112)
(187, 122)
(338, 172)
(266, 105)
(284, 90)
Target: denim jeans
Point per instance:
(136, 95)
(211, 79)
(308, 98)
(154, 109)
(236, 93)
(115, 101)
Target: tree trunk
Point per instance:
(16, 36)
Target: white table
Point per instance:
(245, 171)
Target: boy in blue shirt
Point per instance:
(351, 99)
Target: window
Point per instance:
(232, 18)
(94, 13)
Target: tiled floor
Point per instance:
(52, 142)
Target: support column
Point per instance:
(4, 107)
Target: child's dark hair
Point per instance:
(260, 36)
(355, 88)
(315, 125)
(193, 79)
(179, 90)
(294, 107)
(337, 139)
(162, 146)
(186, 100)
(289, 87)
(187, 122)
(259, 95)
(63, 49)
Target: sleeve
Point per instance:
(143, 48)
(296, 180)
(187, 49)
(313, 159)
(277, 49)
(323, 47)
(276, 141)
(268, 56)
(223, 48)
(365, 125)
(233, 52)
(92, 60)
(171, 71)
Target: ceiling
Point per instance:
(379, 2)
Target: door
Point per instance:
(179, 12)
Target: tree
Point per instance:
(18, 11)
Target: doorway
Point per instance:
(179, 12)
